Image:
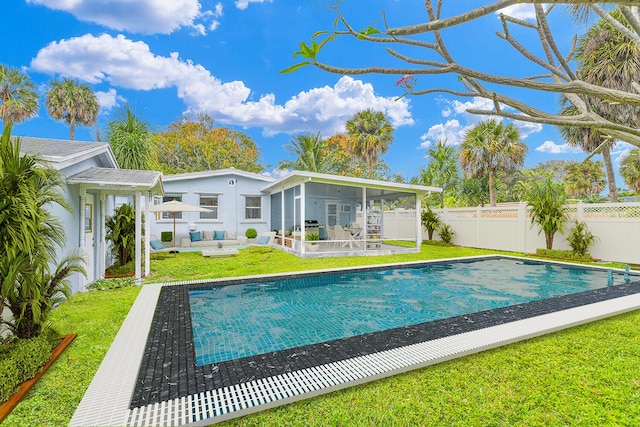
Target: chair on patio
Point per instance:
(157, 247)
(265, 239)
(331, 235)
(345, 237)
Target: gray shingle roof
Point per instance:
(117, 177)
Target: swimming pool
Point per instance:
(249, 319)
(169, 376)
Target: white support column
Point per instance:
(83, 202)
(282, 218)
(82, 281)
(365, 219)
(418, 222)
(102, 245)
(138, 258)
(302, 217)
(147, 232)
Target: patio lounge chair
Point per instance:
(265, 239)
(157, 247)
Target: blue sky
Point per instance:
(168, 58)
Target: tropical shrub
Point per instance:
(430, 221)
(251, 233)
(121, 232)
(546, 201)
(581, 239)
(446, 233)
(30, 237)
(22, 359)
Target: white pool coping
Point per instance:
(106, 401)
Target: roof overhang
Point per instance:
(118, 181)
(298, 177)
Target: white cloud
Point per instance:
(553, 148)
(620, 151)
(451, 131)
(527, 128)
(108, 100)
(136, 16)
(519, 11)
(131, 65)
(243, 4)
(460, 120)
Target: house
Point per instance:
(93, 180)
(302, 203)
(234, 198)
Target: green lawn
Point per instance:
(586, 375)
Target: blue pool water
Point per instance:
(242, 320)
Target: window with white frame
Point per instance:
(209, 201)
(253, 207)
(167, 198)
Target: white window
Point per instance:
(210, 202)
(167, 198)
(253, 207)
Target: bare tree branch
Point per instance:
(562, 78)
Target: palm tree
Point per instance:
(130, 140)
(73, 102)
(491, 147)
(546, 201)
(18, 99)
(607, 58)
(630, 170)
(30, 237)
(312, 154)
(371, 134)
(442, 170)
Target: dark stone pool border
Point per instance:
(168, 369)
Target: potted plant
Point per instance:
(312, 238)
(251, 234)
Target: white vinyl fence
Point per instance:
(616, 226)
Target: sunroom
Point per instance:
(318, 215)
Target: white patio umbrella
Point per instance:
(174, 207)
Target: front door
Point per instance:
(89, 236)
(332, 214)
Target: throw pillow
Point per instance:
(263, 240)
(230, 235)
(207, 235)
(218, 235)
(195, 236)
(156, 245)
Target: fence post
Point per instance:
(478, 218)
(522, 226)
(580, 211)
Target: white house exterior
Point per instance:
(240, 200)
(234, 197)
(93, 178)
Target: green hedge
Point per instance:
(559, 253)
(21, 360)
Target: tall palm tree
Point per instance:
(442, 170)
(591, 140)
(130, 140)
(371, 134)
(491, 147)
(18, 98)
(73, 102)
(312, 154)
(608, 58)
(630, 170)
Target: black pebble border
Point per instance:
(169, 371)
